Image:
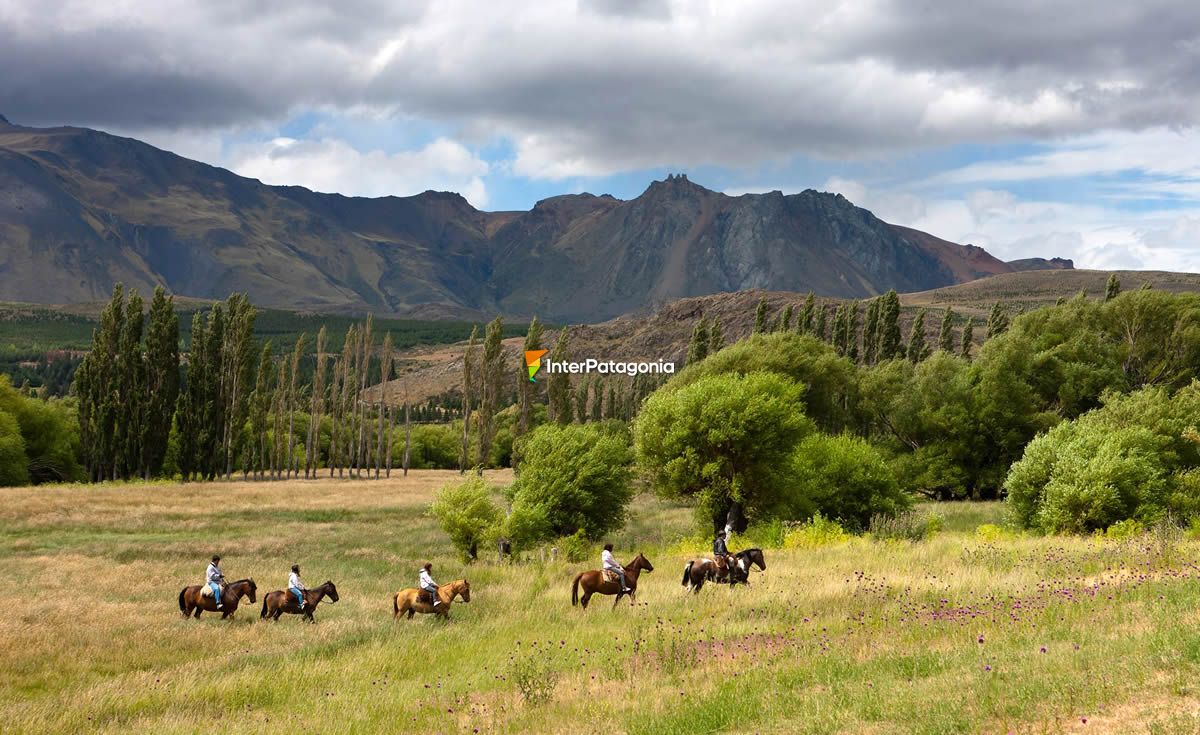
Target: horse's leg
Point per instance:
(584, 600)
(617, 599)
(411, 612)
(198, 611)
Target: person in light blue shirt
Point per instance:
(296, 585)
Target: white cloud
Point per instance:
(331, 165)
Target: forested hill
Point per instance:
(82, 209)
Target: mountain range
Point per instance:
(82, 209)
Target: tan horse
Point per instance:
(595, 582)
(192, 603)
(412, 600)
(283, 601)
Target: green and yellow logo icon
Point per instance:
(533, 359)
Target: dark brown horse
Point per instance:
(192, 603)
(597, 582)
(697, 572)
(283, 601)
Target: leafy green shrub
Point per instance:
(765, 535)
(724, 440)
(845, 479)
(575, 548)
(1126, 529)
(817, 532)
(991, 533)
(571, 478)
(534, 678)
(467, 514)
(14, 468)
(908, 526)
(433, 446)
(1130, 459)
(49, 432)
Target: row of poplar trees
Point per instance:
(879, 339)
(231, 405)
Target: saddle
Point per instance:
(610, 576)
(206, 591)
(427, 596)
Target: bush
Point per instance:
(433, 447)
(908, 526)
(14, 468)
(724, 440)
(844, 479)
(467, 514)
(571, 478)
(1130, 459)
(1126, 529)
(820, 531)
(50, 433)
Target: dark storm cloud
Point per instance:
(604, 85)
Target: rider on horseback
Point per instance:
(427, 584)
(721, 554)
(296, 585)
(214, 578)
(610, 564)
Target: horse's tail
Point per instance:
(182, 607)
(396, 604)
(263, 614)
(575, 589)
(687, 573)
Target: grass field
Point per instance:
(956, 634)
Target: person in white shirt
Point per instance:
(296, 585)
(427, 584)
(214, 578)
(611, 564)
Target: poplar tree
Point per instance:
(870, 350)
(212, 428)
(946, 334)
(162, 380)
(698, 347)
(997, 321)
(237, 371)
(889, 326)
(760, 316)
(964, 345)
(1113, 288)
(191, 410)
(130, 386)
(559, 387)
(533, 342)
(839, 330)
(581, 400)
(360, 407)
(260, 409)
(385, 376)
(492, 384)
(597, 409)
(312, 445)
(820, 329)
(852, 331)
(716, 338)
(804, 325)
(469, 360)
(786, 324)
(918, 348)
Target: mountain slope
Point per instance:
(82, 209)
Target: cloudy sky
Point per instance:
(1027, 127)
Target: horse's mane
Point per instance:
(240, 581)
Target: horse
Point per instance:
(412, 600)
(697, 572)
(283, 601)
(191, 601)
(739, 573)
(594, 581)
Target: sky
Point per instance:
(1028, 127)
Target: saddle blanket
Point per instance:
(611, 577)
(206, 591)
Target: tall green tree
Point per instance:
(820, 329)
(237, 372)
(493, 385)
(470, 370)
(918, 346)
(871, 333)
(967, 339)
(786, 322)
(533, 342)
(130, 400)
(716, 337)
(260, 411)
(889, 327)
(698, 347)
(946, 333)
(997, 321)
(1113, 288)
(805, 323)
(312, 446)
(162, 380)
(851, 331)
(760, 316)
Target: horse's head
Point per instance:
(248, 588)
(462, 588)
(756, 557)
(331, 590)
(641, 562)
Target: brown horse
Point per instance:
(697, 572)
(192, 603)
(283, 601)
(595, 581)
(411, 600)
